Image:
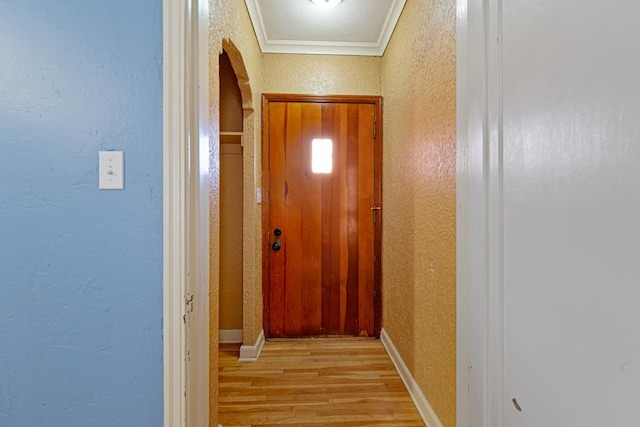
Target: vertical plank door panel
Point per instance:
(277, 124)
(331, 237)
(365, 195)
(344, 215)
(353, 272)
(321, 281)
(294, 199)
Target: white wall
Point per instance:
(561, 144)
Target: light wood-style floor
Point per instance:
(318, 383)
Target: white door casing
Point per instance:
(186, 212)
(479, 215)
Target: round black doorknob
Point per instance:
(276, 245)
(277, 232)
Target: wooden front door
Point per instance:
(321, 221)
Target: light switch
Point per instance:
(111, 170)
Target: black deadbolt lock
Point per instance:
(277, 232)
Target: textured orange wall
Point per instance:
(230, 233)
(231, 27)
(231, 120)
(230, 97)
(321, 74)
(419, 198)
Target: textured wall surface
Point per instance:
(231, 28)
(418, 250)
(231, 120)
(81, 268)
(230, 234)
(321, 74)
(230, 97)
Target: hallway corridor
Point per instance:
(337, 383)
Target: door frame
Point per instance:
(473, 69)
(185, 231)
(480, 282)
(377, 272)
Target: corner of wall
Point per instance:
(419, 199)
(425, 410)
(229, 20)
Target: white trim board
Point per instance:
(422, 404)
(185, 212)
(230, 336)
(251, 353)
(462, 218)
(174, 224)
(480, 239)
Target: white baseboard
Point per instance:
(230, 336)
(250, 353)
(422, 404)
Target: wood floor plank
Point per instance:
(318, 383)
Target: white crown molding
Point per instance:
(325, 47)
(390, 24)
(258, 23)
(322, 48)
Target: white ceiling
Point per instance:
(353, 27)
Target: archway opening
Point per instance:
(235, 283)
(231, 204)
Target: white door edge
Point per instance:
(185, 211)
(479, 198)
(462, 305)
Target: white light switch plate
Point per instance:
(111, 170)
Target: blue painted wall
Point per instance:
(80, 269)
